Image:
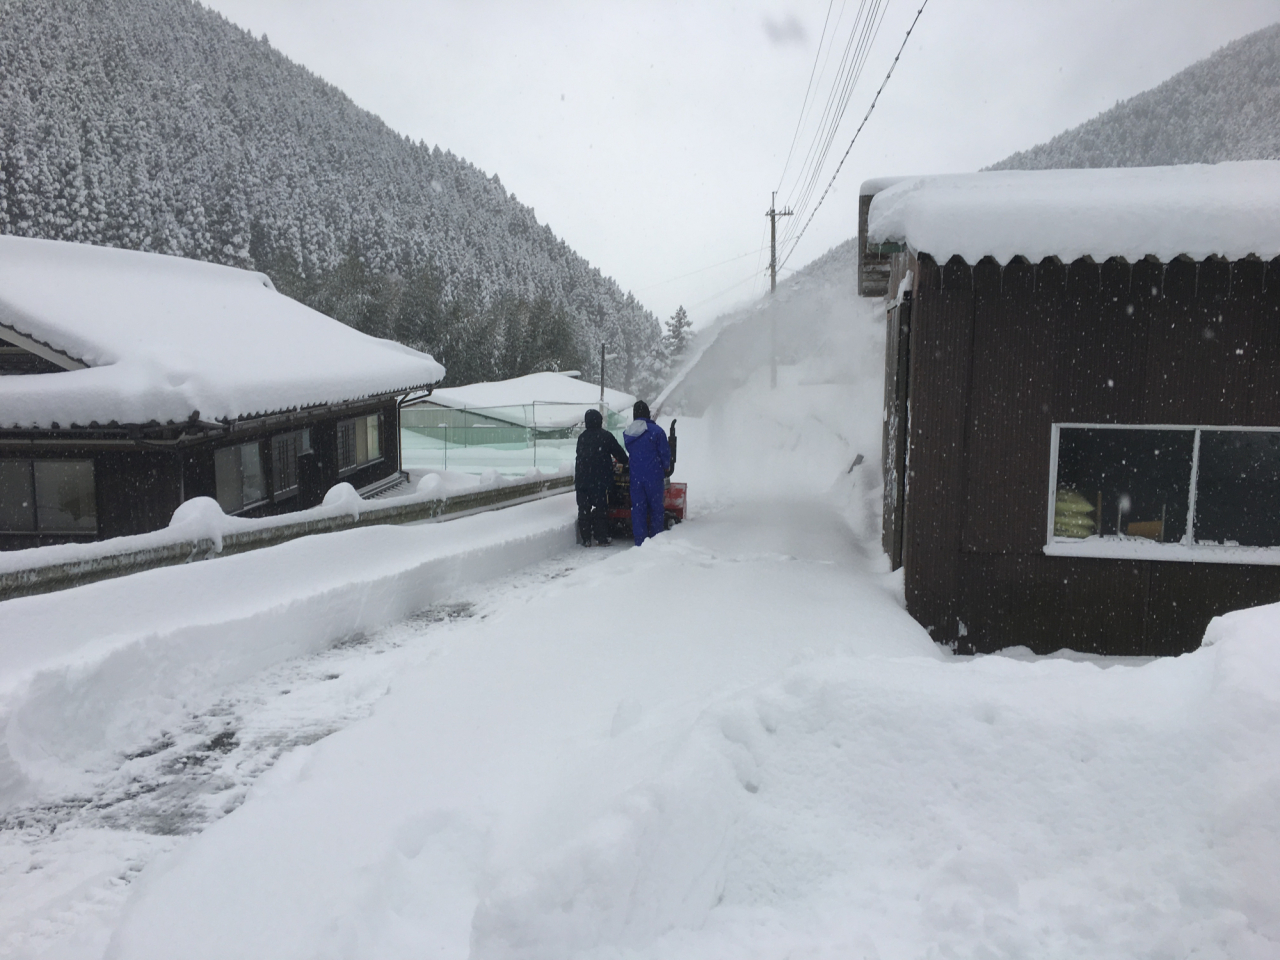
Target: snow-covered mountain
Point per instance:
(159, 125)
(1225, 107)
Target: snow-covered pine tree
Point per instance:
(676, 339)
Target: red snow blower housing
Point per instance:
(673, 496)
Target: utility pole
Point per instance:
(773, 216)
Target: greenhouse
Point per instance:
(511, 426)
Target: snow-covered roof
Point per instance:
(160, 338)
(547, 390)
(1201, 210)
(873, 186)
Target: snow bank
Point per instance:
(90, 673)
(165, 338)
(912, 807)
(1229, 210)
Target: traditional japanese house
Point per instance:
(1082, 402)
(131, 382)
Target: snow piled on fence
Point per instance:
(1228, 210)
(201, 518)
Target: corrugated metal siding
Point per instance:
(1047, 603)
(1263, 289)
(894, 441)
(941, 341)
(1100, 348)
(995, 360)
(1184, 597)
(1194, 371)
(1009, 411)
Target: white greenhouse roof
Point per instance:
(160, 338)
(1230, 210)
(553, 398)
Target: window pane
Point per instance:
(64, 496)
(253, 483)
(17, 499)
(1133, 482)
(284, 457)
(375, 445)
(226, 472)
(1238, 488)
(362, 440)
(346, 444)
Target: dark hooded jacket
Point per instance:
(593, 470)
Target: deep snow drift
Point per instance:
(731, 742)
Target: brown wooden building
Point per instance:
(1082, 433)
(132, 382)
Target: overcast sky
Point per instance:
(649, 134)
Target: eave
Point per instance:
(190, 432)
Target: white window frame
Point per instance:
(1122, 547)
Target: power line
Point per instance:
(720, 293)
(874, 101)
(812, 72)
(749, 253)
(854, 62)
(815, 155)
(857, 51)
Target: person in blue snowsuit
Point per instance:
(650, 462)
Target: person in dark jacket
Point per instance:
(593, 478)
(650, 462)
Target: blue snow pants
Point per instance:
(647, 519)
